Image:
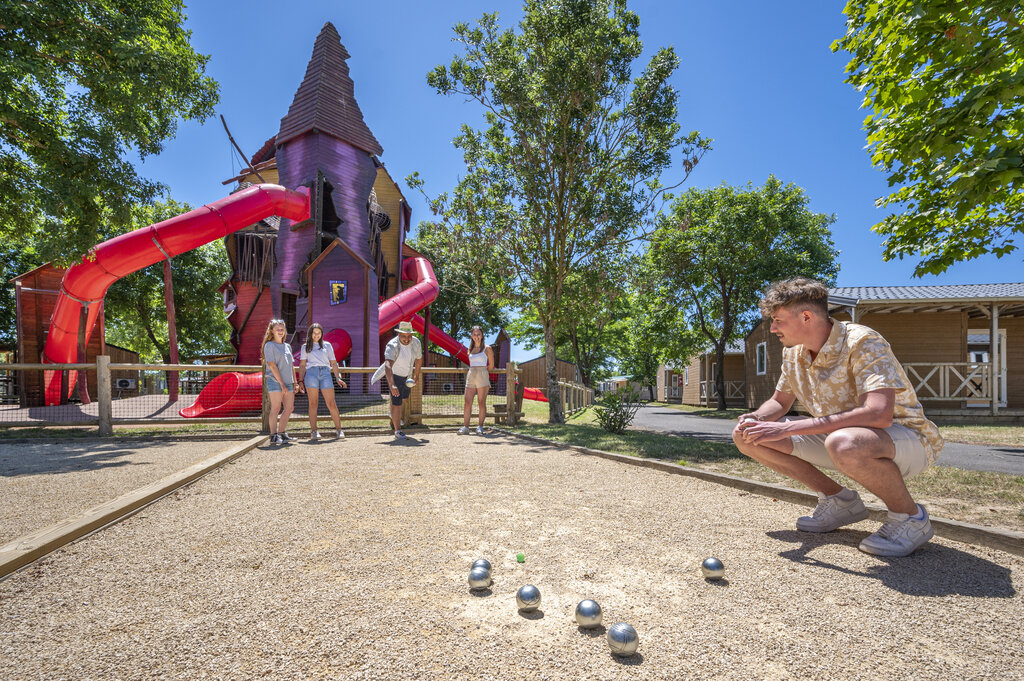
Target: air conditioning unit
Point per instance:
(124, 383)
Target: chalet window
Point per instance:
(761, 363)
(686, 375)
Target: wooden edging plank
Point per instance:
(35, 545)
(977, 535)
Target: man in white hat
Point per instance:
(403, 360)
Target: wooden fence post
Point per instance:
(103, 394)
(265, 401)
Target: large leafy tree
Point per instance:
(15, 259)
(464, 299)
(944, 81)
(715, 253)
(83, 84)
(595, 317)
(136, 316)
(568, 165)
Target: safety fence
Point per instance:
(106, 394)
(575, 396)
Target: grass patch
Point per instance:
(1004, 436)
(994, 499)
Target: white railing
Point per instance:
(733, 390)
(951, 380)
(675, 392)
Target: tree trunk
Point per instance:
(555, 411)
(720, 378)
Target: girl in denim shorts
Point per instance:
(319, 368)
(280, 377)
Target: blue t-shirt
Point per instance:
(281, 355)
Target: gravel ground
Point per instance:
(349, 560)
(42, 483)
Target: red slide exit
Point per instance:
(85, 283)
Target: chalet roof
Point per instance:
(996, 292)
(325, 101)
(895, 299)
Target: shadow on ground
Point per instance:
(68, 456)
(933, 570)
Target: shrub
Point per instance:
(616, 409)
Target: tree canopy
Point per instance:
(463, 300)
(569, 163)
(944, 81)
(136, 316)
(82, 84)
(714, 254)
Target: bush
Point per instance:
(616, 410)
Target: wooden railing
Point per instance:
(951, 380)
(733, 390)
(575, 396)
(414, 409)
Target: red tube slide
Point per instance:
(87, 282)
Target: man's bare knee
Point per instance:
(849, 449)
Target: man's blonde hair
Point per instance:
(799, 292)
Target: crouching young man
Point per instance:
(866, 421)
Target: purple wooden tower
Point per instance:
(323, 269)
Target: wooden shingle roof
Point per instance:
(325, 101)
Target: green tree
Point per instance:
(136, 316)
(944, 81)
(82, 84)
(718, 249)
(594, 319)
(569, 163)
(15, 259)
(464, 300)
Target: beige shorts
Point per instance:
(910, 457)
(478, 378)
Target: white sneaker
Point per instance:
(339, 434)
(462, 431)
(900, 535)
(832, 512)
(315, 436)
(479, 430)
(399, 435)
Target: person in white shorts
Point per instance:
(478, 379)
(866, 420)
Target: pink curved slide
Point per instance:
(85, 283)
(229, 394)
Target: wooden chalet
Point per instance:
(533, 372)
(961, 346)
(694, 382)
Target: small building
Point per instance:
(693, 383)
(533, 372)
(961, 346)
(616, 383)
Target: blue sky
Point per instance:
(759, 78)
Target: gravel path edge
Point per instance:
(976, 535)
(30, 547)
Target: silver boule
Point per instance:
(623, 639)
(588, 614)
(410, 381)
(482, 562)
(528, 598)
(712, 568)
(479, 578)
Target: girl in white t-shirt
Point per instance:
(478, 380)
(317, 365)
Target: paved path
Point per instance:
(995, 459)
